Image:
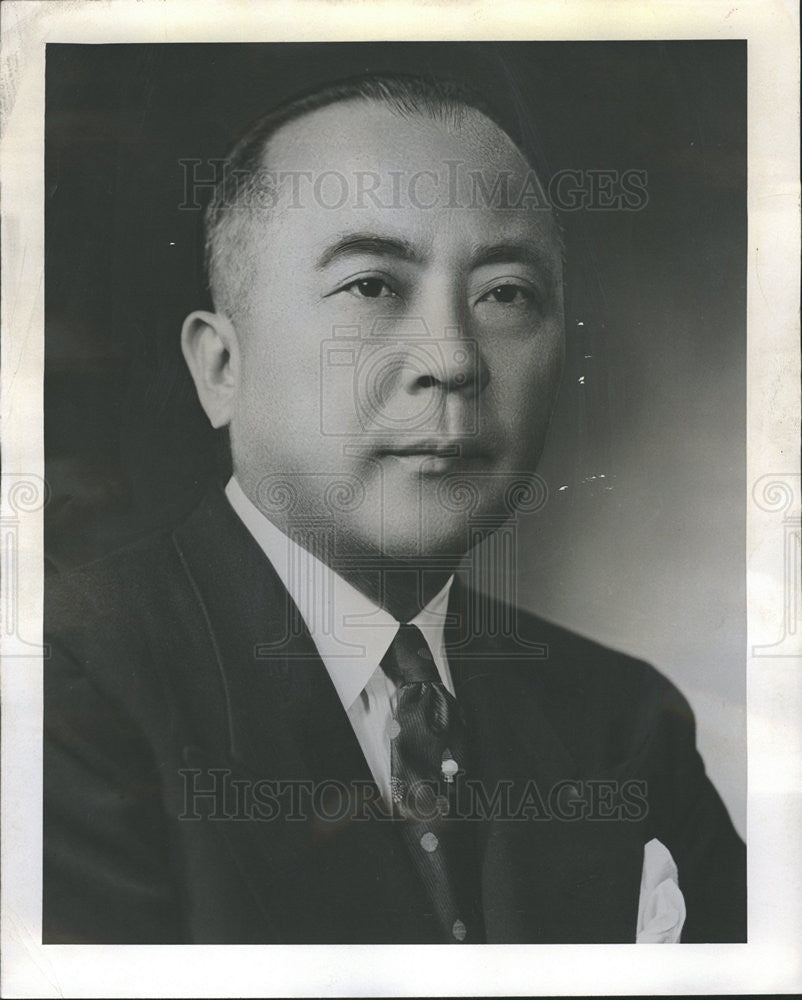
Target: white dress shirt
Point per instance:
(351, 633)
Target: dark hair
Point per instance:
(442, 99)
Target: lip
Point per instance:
(440, 453)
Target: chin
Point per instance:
(439, 527)
(443, 540)
(440, 552)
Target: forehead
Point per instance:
(360, 131)
(363, 163)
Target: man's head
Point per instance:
(388, 334)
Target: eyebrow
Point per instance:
(523, 252)
(356, 244)
(508, 252)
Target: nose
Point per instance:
(447, 357)
(450, 364)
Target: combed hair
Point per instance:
(228, 253)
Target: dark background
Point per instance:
(641, 543)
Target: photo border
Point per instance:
(771, 961)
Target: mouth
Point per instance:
(434, 456)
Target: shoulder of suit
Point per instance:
(129, 584)
(116, 586)
(572, 668)
(604, 703)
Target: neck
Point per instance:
(399, 585)
(401, 588)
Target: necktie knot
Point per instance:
(409, 659)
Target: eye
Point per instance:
(508, 294)
(369, 288)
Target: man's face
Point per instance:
(403, 337)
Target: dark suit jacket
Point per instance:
(181, 665)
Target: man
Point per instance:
(286, 721)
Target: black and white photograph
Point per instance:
(393, 504)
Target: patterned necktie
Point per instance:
(428, 758)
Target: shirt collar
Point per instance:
(352, 633)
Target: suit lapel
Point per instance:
(496, 680)
(281, 707)
(327, 867)
(546, 876)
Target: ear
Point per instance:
(211, 350)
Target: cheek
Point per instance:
(527, 377)
(280, 363)
(263, 421)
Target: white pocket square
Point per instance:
(661, 908)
